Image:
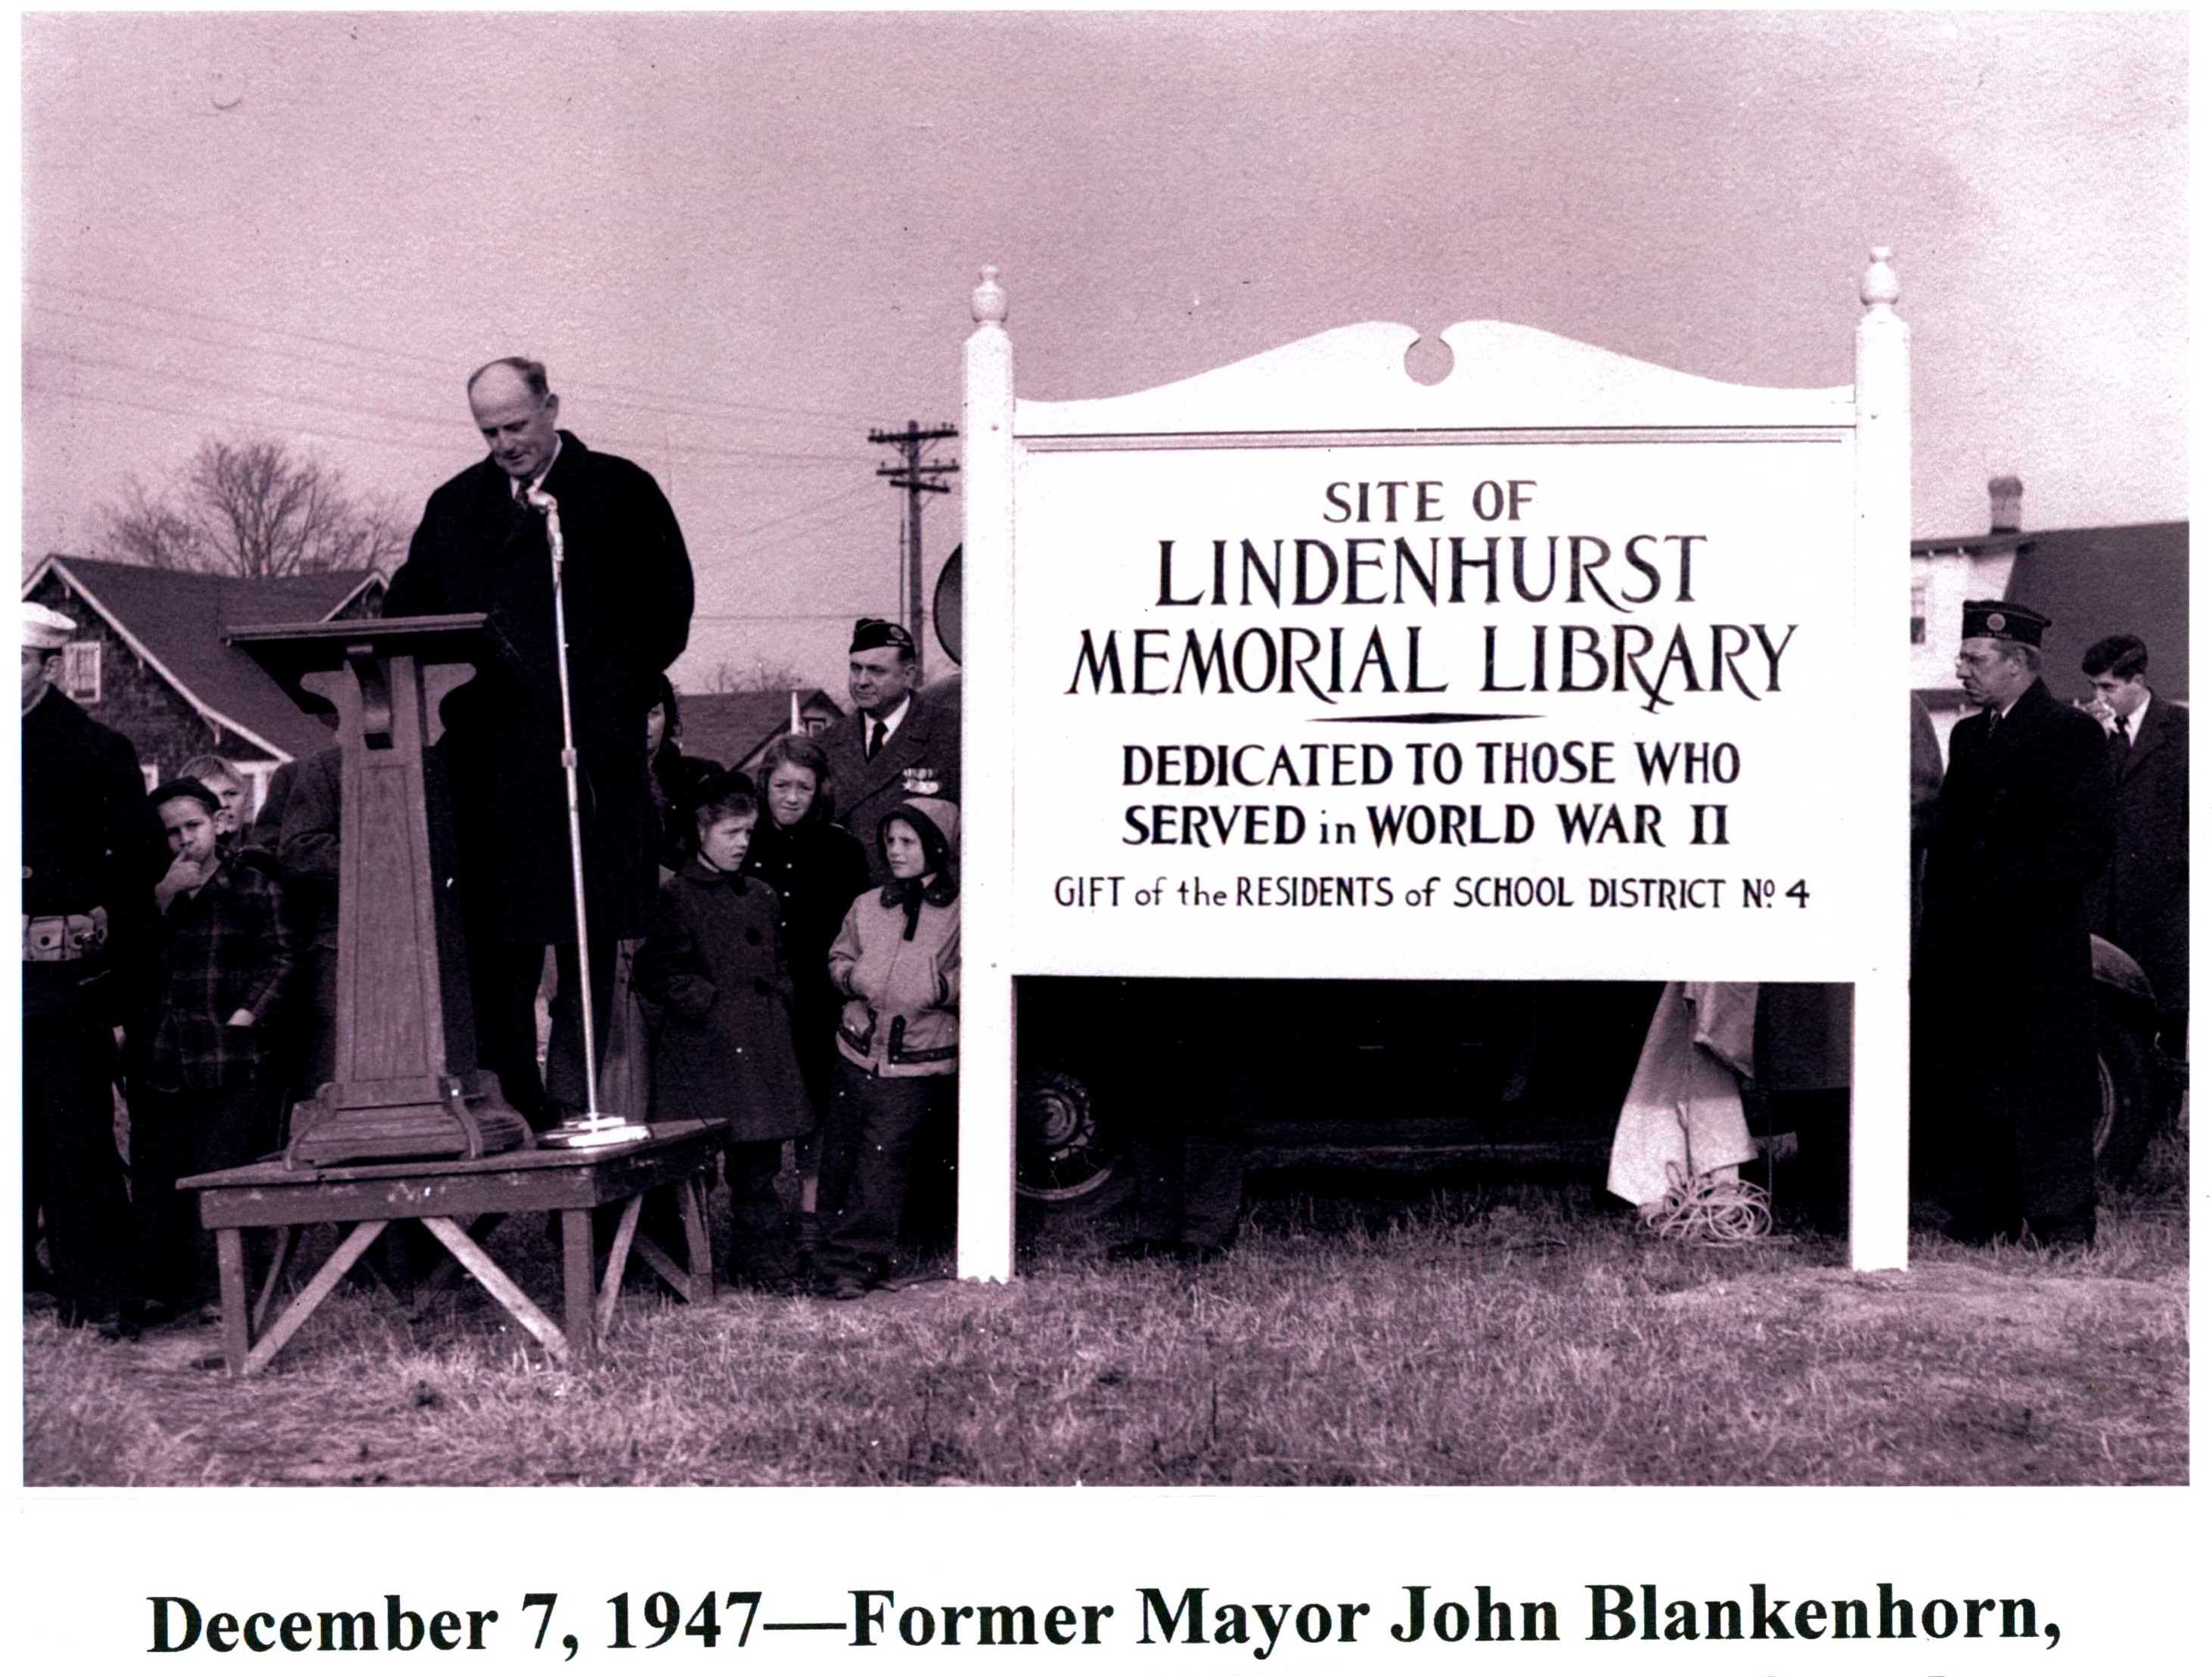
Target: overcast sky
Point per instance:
(740, 242)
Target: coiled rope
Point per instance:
(1711, 1209)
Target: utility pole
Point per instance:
(917, 478)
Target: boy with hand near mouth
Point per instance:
(204, 1098)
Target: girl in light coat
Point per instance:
(896, 961)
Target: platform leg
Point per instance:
(691, 1198)
(578, 1295)
(496, 1281)
(230, 1270)
(617, 1261)
(310, 1297)
(285, 1238)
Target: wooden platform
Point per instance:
(447, 1196)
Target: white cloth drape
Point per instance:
(1684, 1106)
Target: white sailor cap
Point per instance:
(47, 630)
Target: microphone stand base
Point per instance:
(595, 1129)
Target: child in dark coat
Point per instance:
(205, 1098)
(712, 970)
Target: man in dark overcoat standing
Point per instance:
(92, 851)
(2142, 903)
(481, 547)
(895, 745)
(2004, 1008)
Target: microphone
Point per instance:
(550, 509)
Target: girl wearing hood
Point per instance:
(896, 961)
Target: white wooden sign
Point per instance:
(1565, 666)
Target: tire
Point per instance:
(2128, 1104)
(1060, 1152)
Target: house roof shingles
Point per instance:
(180, 616)
(731, 727)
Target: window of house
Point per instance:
(1920, 614)
(80, 671)
(817, 725)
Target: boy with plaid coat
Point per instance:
(206, 1097)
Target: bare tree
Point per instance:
(760, 676)
(255, 508)
(147, 531)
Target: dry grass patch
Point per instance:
(1494, 1335)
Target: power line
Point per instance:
(850, 493)
(137, 370)
(30, 389)
(781, 617)
(340, 363)
(662, 400)
(695, 450)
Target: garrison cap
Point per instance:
(870, 632)
(46, 631)
(2000, 620)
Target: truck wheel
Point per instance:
(2127, 1105)
(1060, 1154)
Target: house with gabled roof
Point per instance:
(152, 661)
(736, 728)
(2092, 582)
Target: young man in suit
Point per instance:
(2141, 902)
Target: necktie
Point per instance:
(875, 737)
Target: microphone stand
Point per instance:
(590, 1128)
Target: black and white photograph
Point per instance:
(1276, 775)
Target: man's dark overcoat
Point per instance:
(712, 970)
(2142, 903)
(627, 589)
(90, 841)
(921, 760)
(2005, 1043)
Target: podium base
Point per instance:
(594, 1130)
(472, 1121)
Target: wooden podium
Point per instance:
(407, 1085)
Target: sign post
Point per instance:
(1881, 1067)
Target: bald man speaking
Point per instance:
(481, 547)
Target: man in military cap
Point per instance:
(92, 851)
(2004, 1040)
(895, 745)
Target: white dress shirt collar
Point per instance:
(890, 723)
(516, 487)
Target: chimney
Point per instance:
(2004, 505)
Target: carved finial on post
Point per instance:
(1878, 285)
(989, 300)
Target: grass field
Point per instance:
(1474, 1334)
